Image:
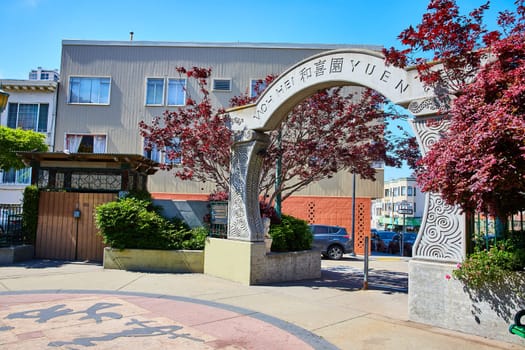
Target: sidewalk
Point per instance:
(47, 304)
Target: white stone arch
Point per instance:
(442, 232)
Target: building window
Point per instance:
(403, 190)
(176, 92)
(257, 86)
(152, 153)
(222, 85)
(89, 90)
(160, 155)
(16, 177)
(77, 143)
(169, 157)
(155, 91)
(386, 192)
(409, 191)
(395, 191)
(28, 116)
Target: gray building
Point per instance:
(108, 87)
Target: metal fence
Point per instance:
(11, 232)
(218, 219)
(487, 231)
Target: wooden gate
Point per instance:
(61, 235)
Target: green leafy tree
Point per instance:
(16, 140)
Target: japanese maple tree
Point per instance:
(197, 133)
(479, 162)
(333, 130)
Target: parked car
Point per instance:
(408, 242)
(381, 240)
(332, 241)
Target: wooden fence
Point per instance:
(65, 234)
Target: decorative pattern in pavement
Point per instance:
(76, 320)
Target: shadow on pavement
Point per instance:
(44, 263)
(351, 279)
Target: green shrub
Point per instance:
(139, 194)
(195, 238)
(290, 235)
(30, 213)
(492, 266)
(135, 223)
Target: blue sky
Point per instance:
(32, 30)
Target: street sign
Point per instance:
(405, 211)
(405, 208)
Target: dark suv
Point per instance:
(332, 241)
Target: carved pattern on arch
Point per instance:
(244, 218)
(441, 236)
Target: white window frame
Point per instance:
(39, 114)
(214, 80)
(69, 94)
(86, 134)
(163, 93)
(20, 173)
(183, 91)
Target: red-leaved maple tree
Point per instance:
(479, 163)
(333, 130)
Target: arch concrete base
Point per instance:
(249, 264)
(447, 303)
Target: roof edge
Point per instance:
(263, 45)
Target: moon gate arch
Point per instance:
(441, 231)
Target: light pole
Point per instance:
(353, 212)
(3, 99)
(278, 174)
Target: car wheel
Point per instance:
(334, 252)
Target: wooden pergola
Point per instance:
(88, 172)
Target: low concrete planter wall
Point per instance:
(446, 303)
(178, 261)
(9, 255)
(287, 266)
(249, 263)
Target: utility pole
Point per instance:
(278, 171)
(353, 212)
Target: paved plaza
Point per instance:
(64, 305)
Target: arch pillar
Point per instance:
(442, 235)
(244, 218)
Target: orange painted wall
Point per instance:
(333, 211)
(180, 196)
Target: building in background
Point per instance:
(31, 106)
(44, 74)
(108, 87)
(386, 211)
